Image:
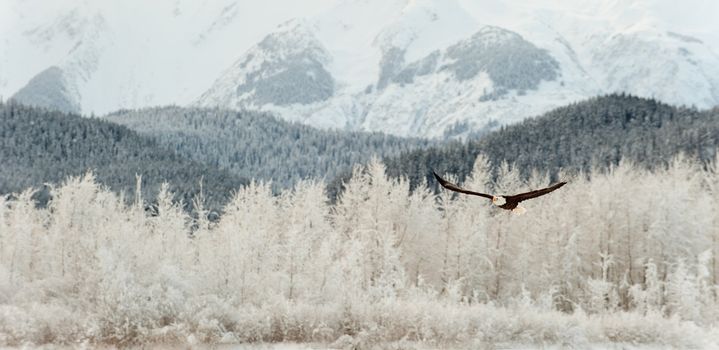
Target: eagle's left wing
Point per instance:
(534, 194)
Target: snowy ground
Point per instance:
(388, 346)
(396, 346)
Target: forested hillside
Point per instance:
(258, 145)
(592, 134)
(38, 146)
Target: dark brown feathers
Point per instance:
(511, 201)
(452, 187)
(534, 194)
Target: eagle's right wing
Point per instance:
(452, 187)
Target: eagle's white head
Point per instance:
(498, 201)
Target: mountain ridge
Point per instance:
(409, 68)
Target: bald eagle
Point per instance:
(502, 201)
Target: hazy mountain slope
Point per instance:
(430, 68)
(133, 53)
(49, 89)
(286, 68)
(260, 146)
(39, 146)
(596, 133)
(446, 68)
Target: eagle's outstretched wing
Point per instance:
(452, 187)
(534, 194)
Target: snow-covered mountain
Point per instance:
(409, 67)
(108, 55)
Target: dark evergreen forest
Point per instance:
(260, 146)
(593, 134)
(39, 146)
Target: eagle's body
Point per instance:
(502, 201)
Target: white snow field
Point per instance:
(402, 345)
(611, 262)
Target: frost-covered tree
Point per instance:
(305, 228)
(371, 212)
(623, 254)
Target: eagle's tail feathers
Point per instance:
(519, 210)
